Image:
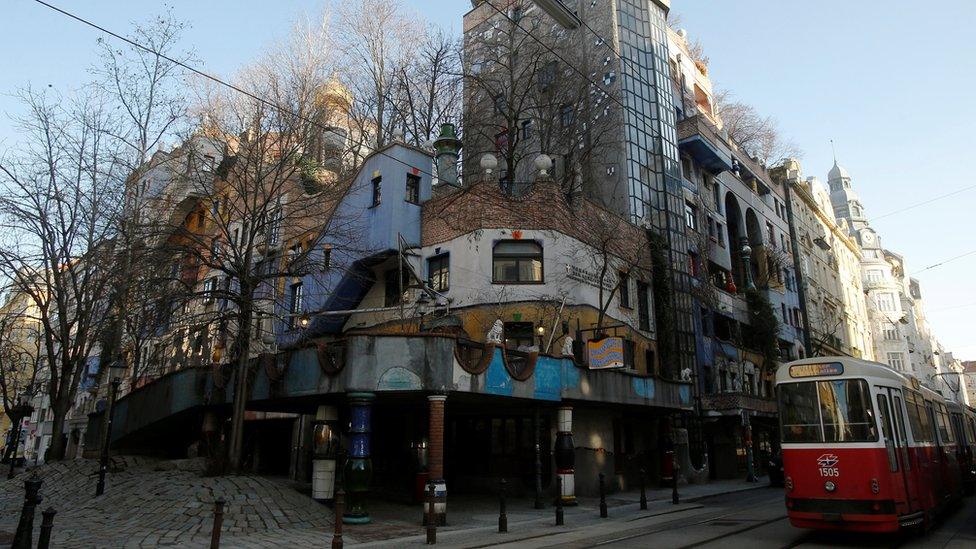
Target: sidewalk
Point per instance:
(473, 521)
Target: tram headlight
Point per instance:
(830, 486)
(875, 487)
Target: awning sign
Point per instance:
(814, 370)
(605, 353)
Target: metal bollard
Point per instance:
(47, 524)
(25, 528)
(217, 523)
(340, 500)
(643, 497)
(603, 497)
(559, 500)
(674, 480)
(502, 517)
(431, 516)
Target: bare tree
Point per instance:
(758, 135)
(58, 210)
(20, 357)
(428, 89)
(377, 40)
(265, 224)
(523, 101)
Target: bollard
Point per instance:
(47, 524)
(502, 517)
(217, 523)
(340, 497)
(431, 517)
(674, 481)
(643, 498)
(603, 498)
(559, 500)
(25, 528)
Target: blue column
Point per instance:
(358, 471)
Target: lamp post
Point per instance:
(17, 413)
(115, 370)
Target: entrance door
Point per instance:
(892, 431)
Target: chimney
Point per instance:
(447, 146)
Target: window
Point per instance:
(890, 333)
(715, 196)
(945, 430)
(886, 302)
(274, 225)
(501, 104)
(623, 286)
(546, 76)
(517, 262)
(711, 227)
(377, 184)
(691, 216)
(875, 275)
(326, 257)
(643, 306)
(526, 129)
(518, 334)
(896, 361)
(392, 285)
(720, 234)
(296, 303)
(566, 115)
(439, 273)
(831, 411)
(210, 288)
(413, 189)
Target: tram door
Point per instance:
(893, 431)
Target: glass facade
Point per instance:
(651, 155)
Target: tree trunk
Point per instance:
(236, 446)
(55, 451)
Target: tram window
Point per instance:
(945, 432)
(928, 420)
(885, 418)
(845, 406)
(916, 417)
(798, 409)
(902, 440)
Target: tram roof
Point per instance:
(853, 367)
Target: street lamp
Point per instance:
(17, 415)
(116, 369)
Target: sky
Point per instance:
(889, 83)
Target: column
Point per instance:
(565, 454)
(325, 442)
(358, 471)
(435, 457)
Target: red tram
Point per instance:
(868, 449)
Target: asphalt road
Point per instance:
(757, 520)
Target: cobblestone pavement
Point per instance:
(156, 503)
(151, 503)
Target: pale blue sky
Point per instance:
(890, 82)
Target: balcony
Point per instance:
(726, 403)
(701, 140)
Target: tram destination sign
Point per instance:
(813, 370)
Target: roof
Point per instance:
(838, 172)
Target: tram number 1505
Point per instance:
(829, 472)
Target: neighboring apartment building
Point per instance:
(829, 262)
(739, 240)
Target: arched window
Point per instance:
(517, 262)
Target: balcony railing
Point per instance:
(738, 401)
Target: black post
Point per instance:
(674, 479)
(340, 497)
(47, 523)
(431, 517)
(217, 523)
(18, 413)
(538, 461)
(502, 517)
(603, 498)
(559, 500)
(643, 497)
(25, 528)
(103, 461)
